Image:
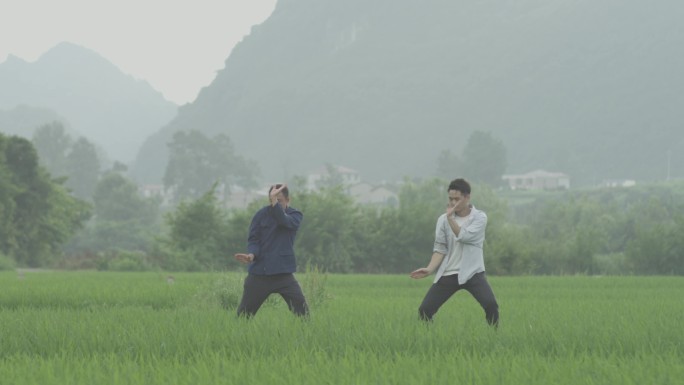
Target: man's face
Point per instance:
(458, 200)
(282, 200)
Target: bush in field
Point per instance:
(314, 284)
(128, 261)
(197, 236)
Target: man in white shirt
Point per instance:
(457, 256)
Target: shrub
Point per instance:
(127, 261)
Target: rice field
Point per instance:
(145, 328)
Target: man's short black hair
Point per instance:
(461, 185)
(285, 191)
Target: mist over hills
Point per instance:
(90, 94)
(23, 120)
(592, 89)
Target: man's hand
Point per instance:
(451, 218)
(244, 258)
(273, 195)
(420, 273)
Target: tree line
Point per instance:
(625, 231)
(44, 223)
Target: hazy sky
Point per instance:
(177, 46)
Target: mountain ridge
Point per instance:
(92, 95)
(572, 86)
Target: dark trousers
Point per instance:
(448, 285)
(258, 287)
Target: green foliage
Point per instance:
(196, 162)
(61, 156)
(39, 215)
(196, 237)
(448, 164)
(224, 290)
(658, 247)
(326, 235)
(485, 158)
(126, 261)
(617, 231)
(157, 329)
(410, 235)
(52, 144)
(237, 231)
(123, 219)
(315, 286)
(6, 263)
(83, 169)
(116, 199)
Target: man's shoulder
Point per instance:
(291, 210)
(262, 210)
(478, 213)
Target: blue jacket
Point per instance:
(271, 240)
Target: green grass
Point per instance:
(135, 328)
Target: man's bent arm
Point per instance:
(435, 261)
(291, 221)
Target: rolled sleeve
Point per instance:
(441, 241)
(474, 232)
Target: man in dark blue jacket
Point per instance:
(270, 255)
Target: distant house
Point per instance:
(347, 176)
(352, 185)
(156, 191)
(240, 198)
(152, 190)
(618, 183)
(538, 180)
(366, 194)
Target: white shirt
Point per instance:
(453, 265)
(471, 239)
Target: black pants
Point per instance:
(258, 287)
(448, 285)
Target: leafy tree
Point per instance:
(326, 237)
(484, 158)
(117, 199)
(53, 144)
(83, 169)
(448, 165)
(196, 162)
(8, 190)
(657, 246)
(43, 215)
(197, 235)
(123, 219)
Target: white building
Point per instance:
(366, 194)
(348, 176)
(538, 180)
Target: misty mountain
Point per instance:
(108, 107)
(592, 89)
(24, 120)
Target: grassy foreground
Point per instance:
(137, 328)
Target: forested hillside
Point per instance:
(592, 89)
